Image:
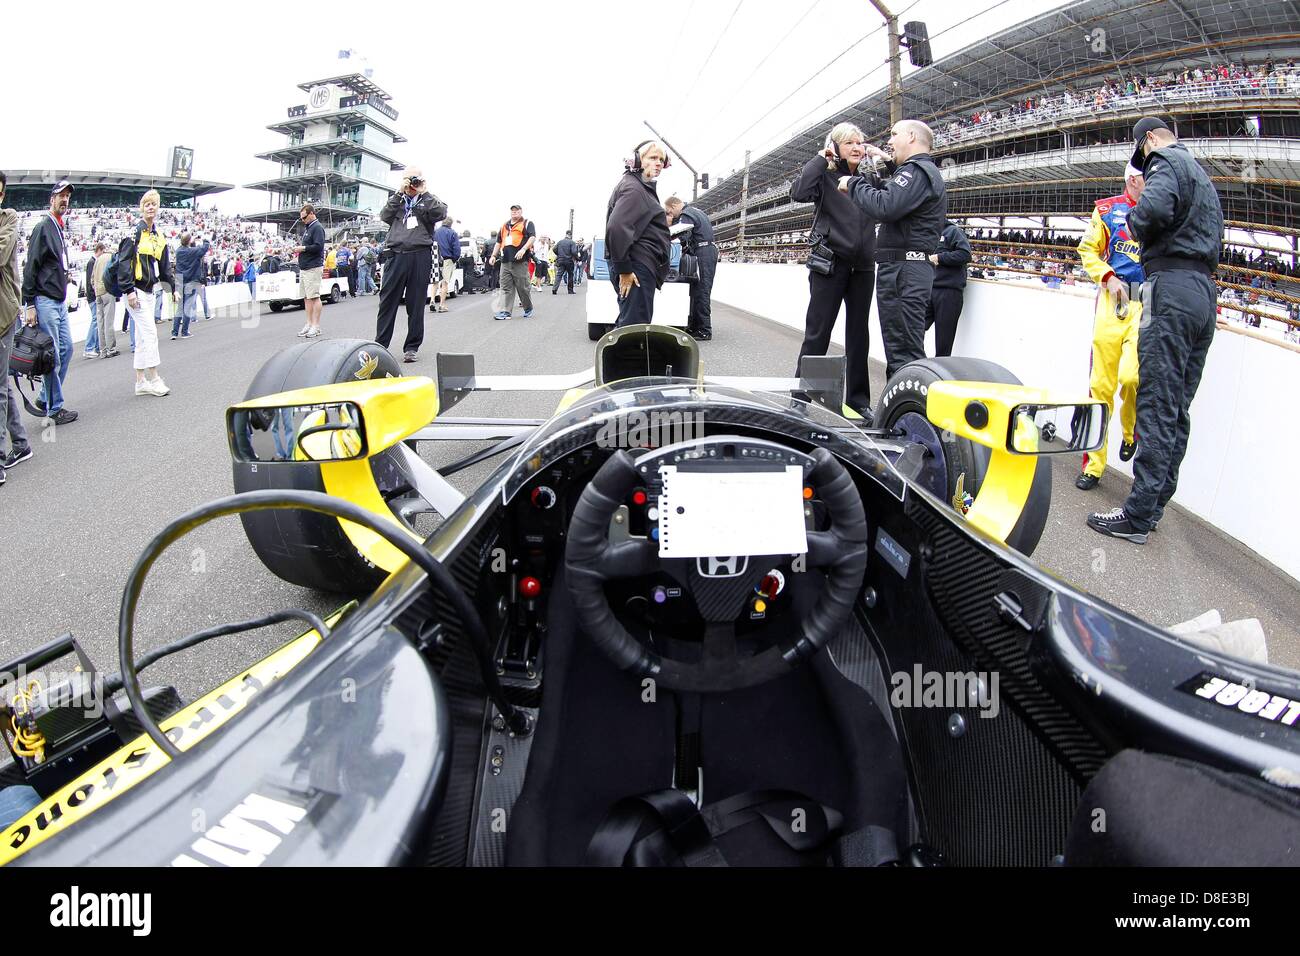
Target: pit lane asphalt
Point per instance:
(75, 517)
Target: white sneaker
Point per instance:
(143, 387)
(158, 387)
(311, 333)
(305, 330)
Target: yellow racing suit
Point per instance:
(1108, 250)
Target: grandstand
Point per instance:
(29, 189)
(1033, 124)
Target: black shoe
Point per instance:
(1115, 523)
(16, 455)
(700, 335)
(1127, 450)
(555, 292)
(408, 357)
(64, 416)
(39, 406)
(1086, 482)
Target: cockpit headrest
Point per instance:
(637, 351)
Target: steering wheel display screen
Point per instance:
(731, 507)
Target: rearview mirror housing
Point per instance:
(1016, 418)
(355, 419)
(324, 431)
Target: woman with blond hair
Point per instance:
(144, 264)
(842, 264)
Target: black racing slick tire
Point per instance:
(902, 407)
(300, 547)
(277, 306)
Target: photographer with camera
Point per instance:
(412, 215)
(841, 263)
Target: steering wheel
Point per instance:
(592, 559)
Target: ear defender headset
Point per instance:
(634, 164)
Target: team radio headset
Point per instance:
(634, 164)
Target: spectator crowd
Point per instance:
(1137, 91)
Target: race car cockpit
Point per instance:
(687, 620)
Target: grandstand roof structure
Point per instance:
(1055, 161)
(29, 189)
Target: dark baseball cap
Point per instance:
(1145, 125)
(517, 207)
(61, 185)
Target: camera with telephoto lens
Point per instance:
(416, 181)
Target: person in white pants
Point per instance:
(147, 359)
(142, 273)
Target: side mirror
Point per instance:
(325, 431)
(1056, 429)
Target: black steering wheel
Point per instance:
(592, 559)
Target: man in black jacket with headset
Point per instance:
(637, 245)
(910, 206)
(1179, 222)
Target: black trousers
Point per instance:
(1177, 329)
(639, 306)
(406, 276)
(825, 295)
(563, 270)
(902, 295)
(701, 316)
(943, 311)
(352, 278)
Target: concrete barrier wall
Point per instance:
(1242, 453)
(220, 296)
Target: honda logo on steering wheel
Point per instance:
(729, 566)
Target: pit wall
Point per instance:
(1242, 454)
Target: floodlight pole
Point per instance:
(895, 64)
(695, 182)
(744, 206)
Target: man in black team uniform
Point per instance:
(699, 243)
(1179, 222)
(566, 251)
(910, 207)
(949, 288)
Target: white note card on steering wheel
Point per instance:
(716, 513)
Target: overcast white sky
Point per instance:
(503, 102)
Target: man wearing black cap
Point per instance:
(1179, 223)
(45, 293)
